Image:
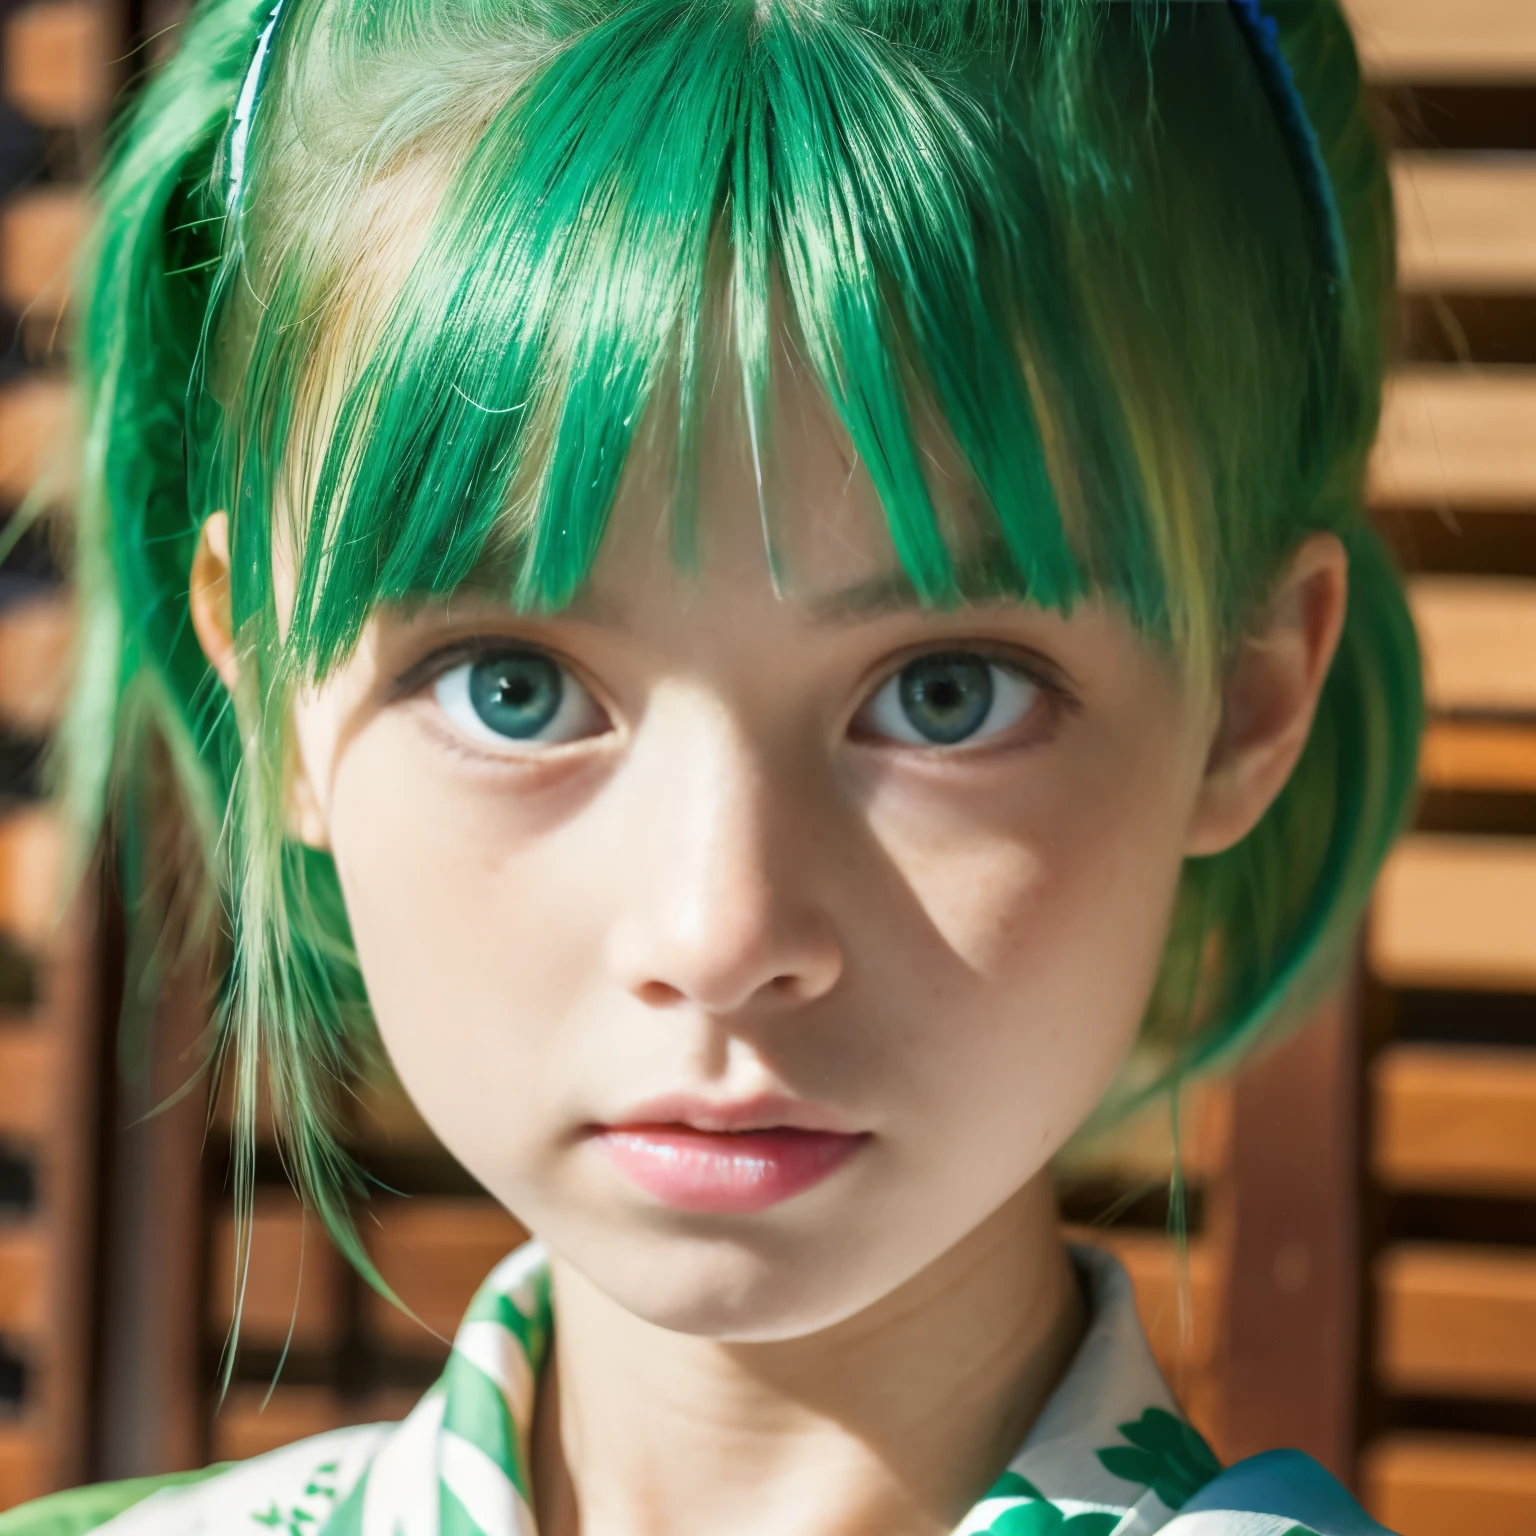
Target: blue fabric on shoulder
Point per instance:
(1290, 1485)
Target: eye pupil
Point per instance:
(947, 697)
(516, 696)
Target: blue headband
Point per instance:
(1259, 30)
(1262, 35)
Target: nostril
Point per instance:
(658, 994)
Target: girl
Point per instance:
(773, 592)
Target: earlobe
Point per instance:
(208, 599)
(1270, 696)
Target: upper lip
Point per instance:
(761, 1112)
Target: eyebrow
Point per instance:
(982, 577)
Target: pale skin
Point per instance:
(733, 878)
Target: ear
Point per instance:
(1270, 696)
(208, 599)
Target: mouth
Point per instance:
(728, 1160)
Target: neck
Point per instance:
(894, 1421)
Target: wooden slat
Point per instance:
(435, 1253)
(1456, 1321)
(151, 1380)
(1457, 912)
(58, 61)
(1479, 640)
(1153, 1264)
(40, 231)
(1451, 1485)
(1140, 1151)
(29, 1063)
(250, 1425)
(294, 1278)
(31, 854)
(385, 1119)
(1458, 437)
(1465, 223)
(1498, 757)
(1287, 1218)
(1455, 1119)
(35, 639)
(1483, 41)
(24, 1464)
(23, 1281)
(35, 421)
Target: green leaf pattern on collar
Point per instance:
(1163, 1454)
(1166, 1455)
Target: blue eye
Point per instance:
(517, 701)
(949, 698)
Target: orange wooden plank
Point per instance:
(434, 1252)
(1463, 437)
(1466, 223)
(29, 1063)
(40, 230)
(250, 1423)
(1140, 1151)
(58, 61)
(1153, 1264)
(1479, 756)
(1457, 912)
(31, 858)
(1479, 640)
(25, 1466)
(1457, 1321)
(1451, 1485)
(1478, 41)
(35, 433)
(385, 1119)
(1455, 1119)
(35, 640)
(294, 1281)
(24, 1271)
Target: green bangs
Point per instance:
(948, 218)
(486, 249)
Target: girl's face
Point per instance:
(753, 950)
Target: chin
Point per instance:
(736, 1280)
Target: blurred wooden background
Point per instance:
(1362, 1266)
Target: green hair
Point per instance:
(478, 241)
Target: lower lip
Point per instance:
(724, 1174)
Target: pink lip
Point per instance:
(725, 1172)
(762, 1112)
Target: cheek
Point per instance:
(1049, 892)
(470, 951)
(1077, 850)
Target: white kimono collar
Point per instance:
(1110, 1455)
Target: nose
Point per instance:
(723, 911)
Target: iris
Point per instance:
(946, 697)
(517, 695)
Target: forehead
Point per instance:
(803, 524)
